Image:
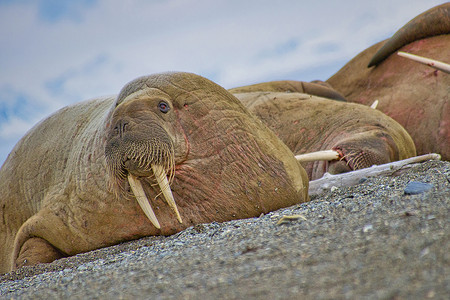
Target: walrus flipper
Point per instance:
(435, 21)
(314, 88)
(33, 241)
(36, 251)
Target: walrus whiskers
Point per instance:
(438, 65)
(354, 160)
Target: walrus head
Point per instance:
(141, 145)
(363, 150)
(375, 140)
(183, 130)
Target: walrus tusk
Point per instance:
(161, 178)
(139, 193)
(374, 104)
(318, 155)
(427, 61)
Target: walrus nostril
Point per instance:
(119, 129)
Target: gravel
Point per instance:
(374, 240)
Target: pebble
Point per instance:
(417, 187)
(82, 268)
(362, 180)
(367, 228)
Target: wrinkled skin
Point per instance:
(363, 136)
(59, 195)
(413, 94)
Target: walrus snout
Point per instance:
(361, 153)
(352, 160)
(129, 157)
(135, 152)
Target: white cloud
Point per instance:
(94, 49)
(15, 126)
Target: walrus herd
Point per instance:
(172, 150)
(361, 135)
(414, 95)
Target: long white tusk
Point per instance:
(139, 193)
(374, 104)
(318, 155)
(427, 61)
(161, 178)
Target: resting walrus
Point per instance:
(414, 95)
(69, 185)
(361, 135)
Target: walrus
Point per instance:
(362, 136)
(170, 151)
(415, 95)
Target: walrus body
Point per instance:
(63, 188)
(415, 95)
(305, 123)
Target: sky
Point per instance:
(57, 52)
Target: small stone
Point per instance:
(66, 279)
(82, 268)
(417, 187)
(362, 180)
(409, 213)
(424, 252)
(431, 294)
(367, 228)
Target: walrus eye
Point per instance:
(163, 107)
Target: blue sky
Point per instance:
(57, 52)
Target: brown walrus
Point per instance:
(69, 186)
(415, 95)
(361, 135)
